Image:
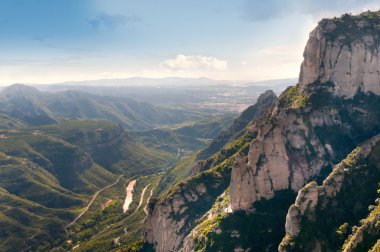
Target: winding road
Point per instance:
(147, 201)
(142, 197)
(92, 201)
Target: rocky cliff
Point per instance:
(319, 121)
(176, 215)
(178, 211)
(345, 52)
(313, 126)
(321, 216)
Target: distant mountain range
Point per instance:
(32, 107)
(208, 96)
(169, 82)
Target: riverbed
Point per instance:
(129, 195)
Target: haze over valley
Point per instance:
(190, 126)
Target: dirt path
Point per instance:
(92, 201)
(147, 201)
(142, 197)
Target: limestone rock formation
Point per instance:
(340, 68)
(178, 212)
(313, 201)
(345, 53)
(313, 126)
(174, 217)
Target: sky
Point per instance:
(50, 41)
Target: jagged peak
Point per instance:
(267, 94)
(344, 52)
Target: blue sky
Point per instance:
(46, 41)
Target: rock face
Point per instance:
(285, 155)
(345, 53)
(341, 67)
(175, 216)
(312, 126)
(163, 229)
(307, 199)
(313, 201)
(178, 212)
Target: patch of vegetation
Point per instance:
(179, 172)
(348, 28)
(137, 246)
(115, 230)
(208, 128)
(169, 141)
(333, 218)
(258, 231)
(240, 144)
(293, 98)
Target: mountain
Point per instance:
(231, 97)
(150, 82)
(240, 202)
(33, 107)
(64, 155)
(49, 173)
(214, 152)
(24, 104)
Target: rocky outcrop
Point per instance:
(174, 216)
(306, 201)
(344, 51)
(209, 222)
(313, 124)
(286, 154)
(313, 201)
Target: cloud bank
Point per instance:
(194, 62)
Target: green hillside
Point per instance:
(188, 136)
(34, 107)
(49, 173)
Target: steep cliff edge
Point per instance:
(319, 121)
(344, 51)
(322, 215)
(313, 126)
(177, 212)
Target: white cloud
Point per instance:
(194, 62)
